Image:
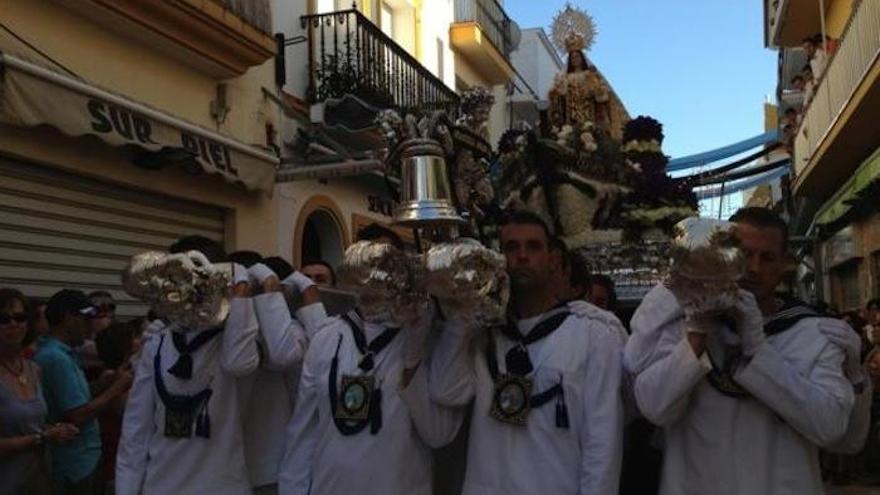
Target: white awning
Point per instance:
(32, 95)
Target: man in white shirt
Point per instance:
(364, 422)
(745, 403)
(283, 341)
(181, 431)
(547, 414)
(816, 55)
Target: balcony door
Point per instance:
(386, 19)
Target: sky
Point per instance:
(697, 66)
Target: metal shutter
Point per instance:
(60, 230)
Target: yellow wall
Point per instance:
(837, 13)
(771, 116)
(115, 62)
(112, 61)
(346, 198)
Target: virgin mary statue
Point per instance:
(579, 94)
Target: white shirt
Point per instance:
(284, 341)
(818, 63)
(149, 462)
(715, 443)
(585, 352)
(397, 460)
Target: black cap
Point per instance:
(69, 301)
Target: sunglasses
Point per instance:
(6, 319)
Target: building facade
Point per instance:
(538, 63)
(835, 147)
(343, 63)
(126, 124)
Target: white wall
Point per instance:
(435, 19)
(535, 60)
(286, 19)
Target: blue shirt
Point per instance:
(65, 388)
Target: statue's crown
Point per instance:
(575, 42)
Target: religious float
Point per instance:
(597, 176)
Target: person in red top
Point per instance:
(115, 345)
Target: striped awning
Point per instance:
(33, 95)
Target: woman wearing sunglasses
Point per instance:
(23, 429)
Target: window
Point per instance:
(845, 286)
(386, 20)
(440, 50)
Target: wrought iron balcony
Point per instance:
(491, 18)
(349, 55)
(484, 36)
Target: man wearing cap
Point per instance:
(74, 464)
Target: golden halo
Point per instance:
(573, 29)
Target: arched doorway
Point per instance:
(321, 238)
(320, 232)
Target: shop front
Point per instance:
(89, 177)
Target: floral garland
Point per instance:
(642, 146)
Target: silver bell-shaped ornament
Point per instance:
(425, 193)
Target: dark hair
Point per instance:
(790, 110)
(855, 320)
(100, 298)
(763, 218)
(825, 309)
(525, 217)
(569, 68)
(873, 304)
(375, 231)
(245, 258)
(322, 263)
(579, 274)
(278, 265)
(211, 249)
(605, 281)
(33, 312)
(114, 344)
(8, 295)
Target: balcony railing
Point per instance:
(859, 50)
(348, 54)
(491, 17)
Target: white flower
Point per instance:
(588, 141)
(566, 130)
(652, 145)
